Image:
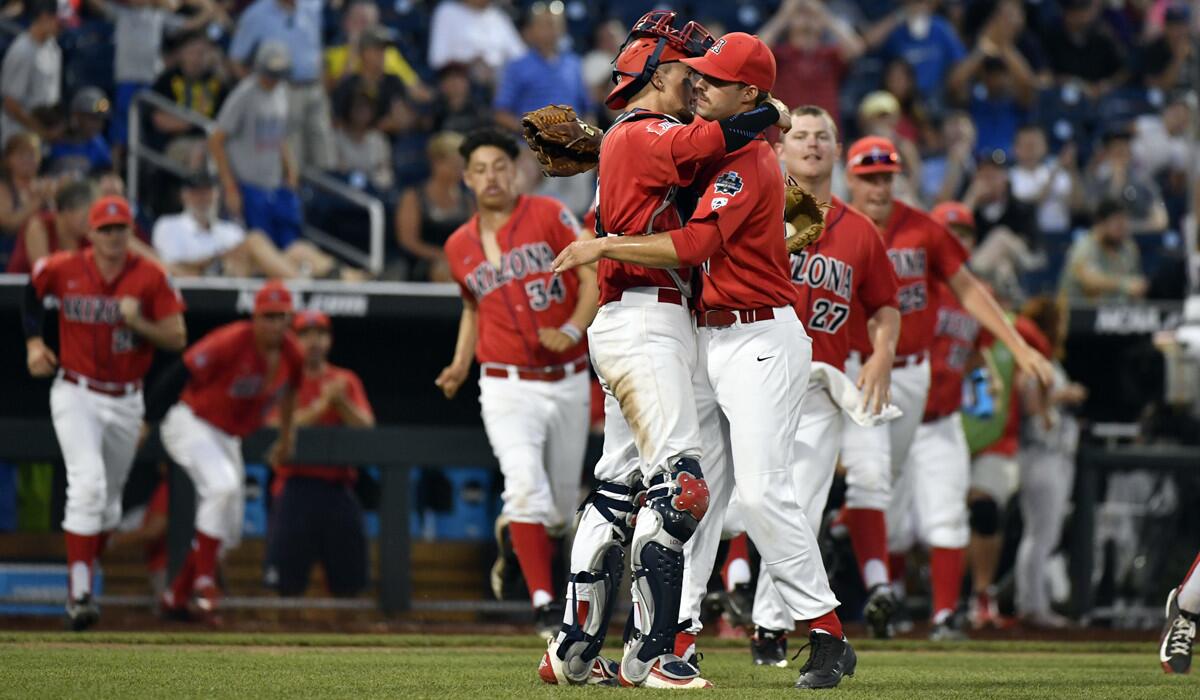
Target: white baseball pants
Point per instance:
(1046, 480)
(98, 436)
(758, 373)
(212, 459)
(538, 431)
(929, 498)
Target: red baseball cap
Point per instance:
(956, 213)
(112, 209)
(738, 57)
(310, 318)
(873, 154)
(273, 297)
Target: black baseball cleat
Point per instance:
(739, 603)
(951, 629)
(1175, 647)
(769, 647)
(548, 619)
(82, 613)
(829, 659)
(879, 611)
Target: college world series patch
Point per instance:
(728, 183)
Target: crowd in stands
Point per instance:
(1063, 124)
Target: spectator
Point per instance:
(22, 192)
(544, 75)
(900, 80)
(430, 212)
(879, 115)
(1008, 239)
(258, 175)
(83, 150)
(192, 83)
(996, 84)
(924, 39)
(1104, 265)
(384, 91)
(363, 154)
(139, 34)
(1163, 61)
(317, 517)
(1082, 50)
(946, 174)
(360, 18)
(1114, 174)
(813, 49)
(1162, 148)
(1051, 186)
(64, 228)
(456, 109)
(475, 33)
(196, 242)
(296, 24)
(32, 72)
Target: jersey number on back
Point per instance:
(540, 297)
(828, 316)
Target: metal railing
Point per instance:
(371, 260)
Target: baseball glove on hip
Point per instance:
(564, 144)
(804, 218)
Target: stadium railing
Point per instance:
(371, 260)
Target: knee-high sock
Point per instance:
(868, 536)
(532, 547)
(1189, 590)
(81, 552)
(206, 549)
(829, 622)
(946, 572)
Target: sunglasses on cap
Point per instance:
(874, 158)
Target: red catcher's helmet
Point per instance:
(654, 40)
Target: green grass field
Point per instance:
(163, 665)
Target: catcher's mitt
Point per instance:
(804, 218)
(563, 143)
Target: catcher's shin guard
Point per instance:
(591, 594)
(672, 510)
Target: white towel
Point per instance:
(848, 398)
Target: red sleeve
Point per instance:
(295, 358)
(672, 153)
(45, 275)
(456, 269)
(721, 211)
(1033, 335)
(947, 252)
(165, 300)
(357, 394)
(880, 284)
(206, 356)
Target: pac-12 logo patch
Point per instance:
(718, 202)
(728, 182)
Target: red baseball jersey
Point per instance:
(923, 253)
(644, 160)
(843, 278)
(229, 386)
(93, 339)
(737, 234)
(522, 295)
(310, 391)
(956, 335)
(1008, 443)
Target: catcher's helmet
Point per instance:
(654, 40)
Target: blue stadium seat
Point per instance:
(255, 519)
(470, 514)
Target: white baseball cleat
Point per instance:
(550, 670)
(668, 672)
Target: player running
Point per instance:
(1179, 632)
(229, 381)
(843, 278)
(753, 351)
(643, 346)
(115, 307)
(923, 254)
(525, 325)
